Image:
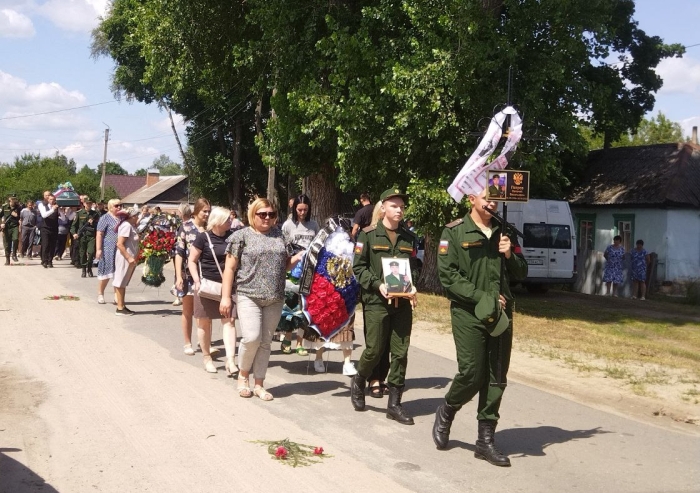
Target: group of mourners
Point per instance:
(476, 262)
(252, 263)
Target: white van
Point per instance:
(549, 245)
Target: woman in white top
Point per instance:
(299, 230)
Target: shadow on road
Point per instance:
(18, 478)
(524, 442)
(305, 388)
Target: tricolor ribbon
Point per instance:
(471, 178)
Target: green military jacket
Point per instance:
(469, 264)
(373, 244)
(80, 223)
(6, 216)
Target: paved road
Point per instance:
(121, 408)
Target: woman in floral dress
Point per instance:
(640, 262)
(612, 275)
(106, 247)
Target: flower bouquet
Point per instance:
(155, 250)
(329, 291)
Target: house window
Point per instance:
(586, 231)
(624, 227)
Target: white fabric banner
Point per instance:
(471, 178)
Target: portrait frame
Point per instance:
(496, 192)
(397, 278)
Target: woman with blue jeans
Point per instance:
(257, 259)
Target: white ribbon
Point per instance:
(471, 178)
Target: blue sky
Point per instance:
(45, 65)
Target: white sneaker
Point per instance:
(319, 366)
(349, 369)
(634, 297)
(101, 299)
(642, 298)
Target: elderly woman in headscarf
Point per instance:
(125, 259)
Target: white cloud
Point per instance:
(18, 98)
(73, 15)
(14, 24)
(680, 75)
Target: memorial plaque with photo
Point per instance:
(397, 276)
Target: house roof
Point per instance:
(146, 194)
(654, 175)
(124, 184)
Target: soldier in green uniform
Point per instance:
(469, 266)
(83, 231)
(9, 224)
(388, 320)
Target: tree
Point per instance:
(167, 166)
(112, 168)
(654, 130)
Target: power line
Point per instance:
(56, 111)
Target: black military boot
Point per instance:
(14, 257)
(7, 260)
(394, 410)
(84, 273)
(485, 448)
(357, 392)
(89, 272)
(444, 416)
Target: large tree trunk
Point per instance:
(428, 280)
(236, 199)
(321, 189)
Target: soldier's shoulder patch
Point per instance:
(443, 247)
(358, 248)
(454, 223)
(369, 229)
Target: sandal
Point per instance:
(376, 391)
(301, 351)
(243, 388)
(188, 350)
(263, 394)
(287, 347)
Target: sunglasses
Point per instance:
(118, 205)
(266, 215)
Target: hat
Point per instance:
(488, 312)
(12, 195)
(127, 213)
(393, 262)
(393, 192)
(87, 199)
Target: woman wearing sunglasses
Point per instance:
(106, 247)
(258, 259)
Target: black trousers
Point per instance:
(48, 245)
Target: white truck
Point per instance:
(549, 245)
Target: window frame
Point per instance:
(624, 218)
(581, 217)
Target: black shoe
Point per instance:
(485, 447)
(14, 257)
(124, 312)
(357, 392)
(394, 409)
(51, 264)
(89, 273)
(83, 274)
(444, 416)
(7, 260)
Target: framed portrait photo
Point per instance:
(397, 276)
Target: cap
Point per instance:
(87, 200)
(393, 262)
(12, 195)
(393, 192)
(494, 319)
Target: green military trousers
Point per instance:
(10, 237)
(477, 357)
(86, 253)
(387, 325)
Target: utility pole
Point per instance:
(104, 166)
